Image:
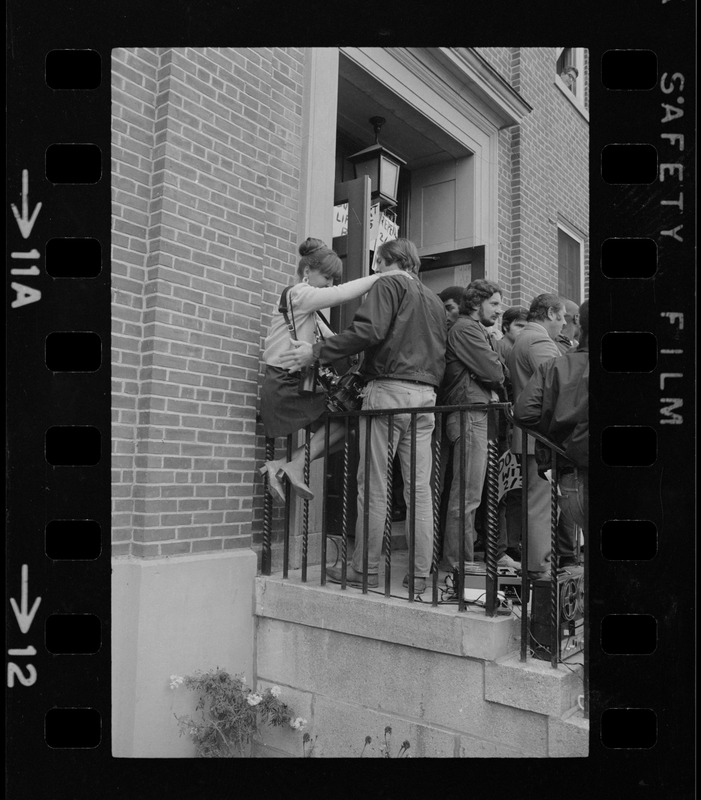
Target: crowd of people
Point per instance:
(420, 349)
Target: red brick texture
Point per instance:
(549, 175)
(206, 164)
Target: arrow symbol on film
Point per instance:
(25, 616)
(25, 222)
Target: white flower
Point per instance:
(253, 699)
(298, 723)
(175, 681)
(275, 691)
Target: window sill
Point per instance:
(572, 99)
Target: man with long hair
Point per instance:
(473, 374)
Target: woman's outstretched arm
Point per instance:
(307, 298)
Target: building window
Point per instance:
(570, 266)
(569, 68)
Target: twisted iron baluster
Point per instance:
(492, 524)
(554, 555)
(387, 535)
(437, 443)
(525, 582)
(411, 511)
(266, 555)
(324, 500)
(305, 508)
(344, 509)
(288, 515)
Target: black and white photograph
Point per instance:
(350, 410)
(346, 283)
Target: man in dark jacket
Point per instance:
(401, 327)
(556, 403)
(473, 374)
(451, 298)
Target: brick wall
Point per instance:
(548, 177)
(207, 151)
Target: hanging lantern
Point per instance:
(381, 166)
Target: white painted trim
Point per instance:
(416, 77)
(318, 143)
(491, 187)
(506, 105)
(433, 81)
(572, 99)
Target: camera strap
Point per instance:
(283, 308)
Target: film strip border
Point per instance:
(642, 395)
(58, 371)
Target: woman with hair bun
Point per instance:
(283, 410)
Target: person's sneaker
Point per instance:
(506, 562)
(419, 584)
(567, 561)
(353, 578)
(514, 552)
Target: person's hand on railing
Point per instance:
(298, 356)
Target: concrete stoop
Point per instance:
(450, 683)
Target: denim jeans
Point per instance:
(572, 497)
(394, 394)
(475, 442)
(539, 518)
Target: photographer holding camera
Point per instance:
(292, 400)
(401, 327)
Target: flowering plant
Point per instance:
(229, 712)
(385, 751)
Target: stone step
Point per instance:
(442, 629)
(534, 685)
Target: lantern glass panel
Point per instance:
(389, 178)
(369, 168)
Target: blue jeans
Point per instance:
(475, 441)
(572, 497)
(394, 394)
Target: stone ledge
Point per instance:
(533, 685)
(568, 737)
(443, 629)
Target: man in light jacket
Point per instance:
(534, 346)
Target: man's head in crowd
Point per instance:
(451, 298)
(482, 301)
(399, 254)
(548, 310)
(513, 322)
(571, 327)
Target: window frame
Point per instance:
(578, 99)
(579, 238)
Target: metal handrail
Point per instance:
(492, 532)
(509, 414)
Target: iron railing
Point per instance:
(351, 420)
